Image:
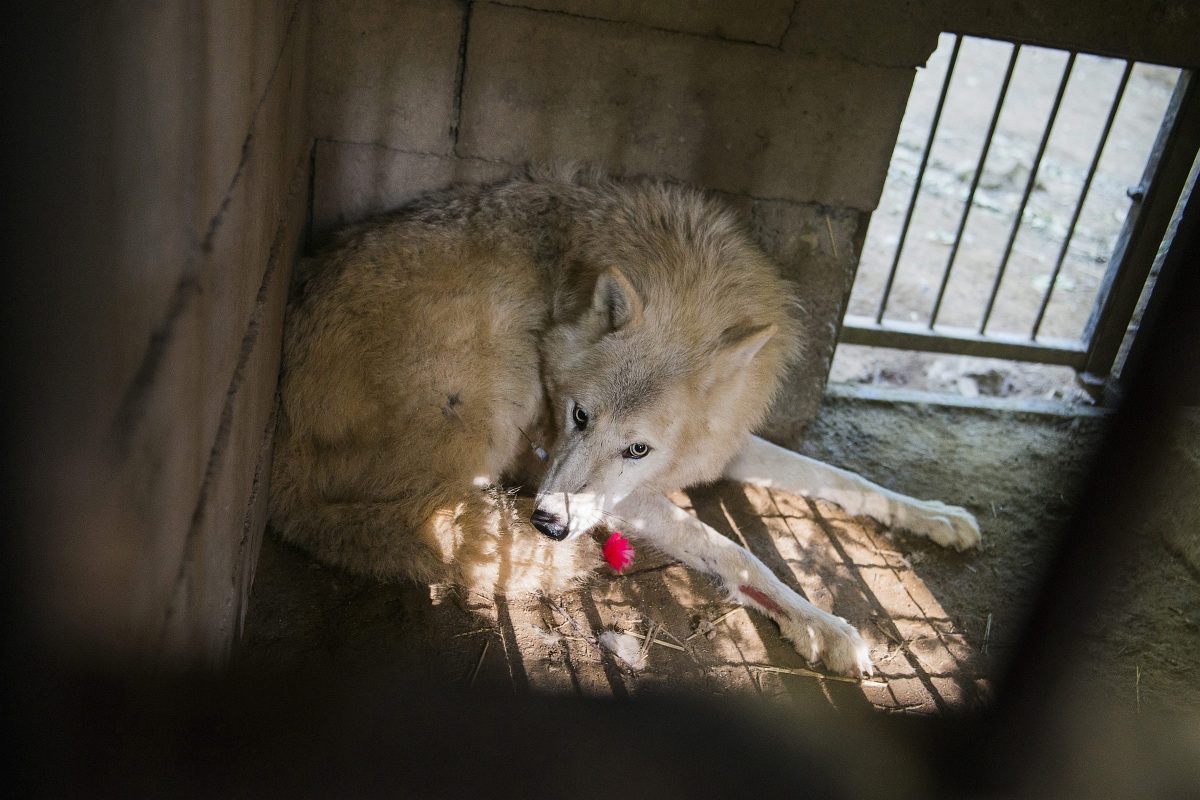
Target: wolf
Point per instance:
(601, 341)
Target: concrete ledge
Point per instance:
(1018, 405)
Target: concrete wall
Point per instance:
(903, 32)
(158, 265)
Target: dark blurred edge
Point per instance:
(92, 731)
(1106, 525)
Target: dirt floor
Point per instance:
(939, 623)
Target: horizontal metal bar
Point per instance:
(961, 341)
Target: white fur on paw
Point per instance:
(833, 642)
(950, 526)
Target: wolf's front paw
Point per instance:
(949, 526)
(832, 642)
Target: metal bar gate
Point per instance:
(1154, 200)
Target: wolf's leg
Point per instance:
(816, 634)
(767, 465)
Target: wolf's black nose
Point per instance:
(549, 524)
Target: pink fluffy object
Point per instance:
(618, 552)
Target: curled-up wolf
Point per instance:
(629, 333)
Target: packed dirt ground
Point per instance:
(940, 623)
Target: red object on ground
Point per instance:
(618, 552)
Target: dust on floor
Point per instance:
(939, 623)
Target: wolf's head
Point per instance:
(649, 394)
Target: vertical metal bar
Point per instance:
(1033, 171)
(1149, 216)
(1087, 184)
(987, 145)
(1183, 228)
(912, 201)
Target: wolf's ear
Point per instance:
(741, 343)
(616, 301)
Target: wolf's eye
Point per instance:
(637, 450)
(581, 418)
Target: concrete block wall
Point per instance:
(141, 455)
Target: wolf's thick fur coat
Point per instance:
(435, 349)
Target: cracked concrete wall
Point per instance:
(150, 362)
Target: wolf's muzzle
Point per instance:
(549, 524)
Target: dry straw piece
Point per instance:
(479, 663)
(808, 673)
(649, 641)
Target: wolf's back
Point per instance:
(413, 361)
